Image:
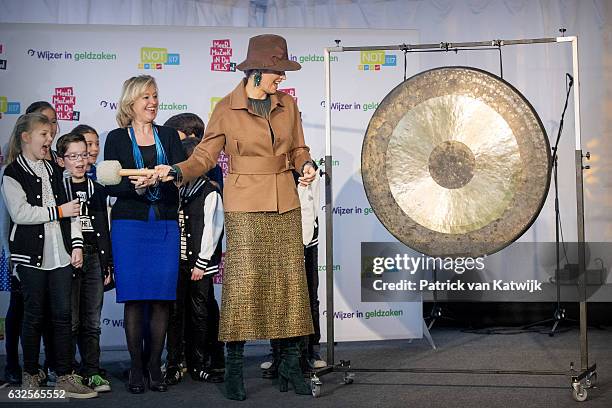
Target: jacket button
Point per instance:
(40, 236)
(39, 257)
(188, 235)
(37, 196)
(38, 264)
(93, 217)
(186, 217)
(97, 234)
(38, 180)
(87, 202)
(101, 252)
(190, 253)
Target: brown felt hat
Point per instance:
(268, 51)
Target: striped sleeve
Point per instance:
(213, 227)
(76, 234)
(20, 210)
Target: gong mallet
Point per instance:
(110, 172)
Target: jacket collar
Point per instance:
(192, 189)
(23, 162)
(240, 100)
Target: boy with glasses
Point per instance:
(88, 282)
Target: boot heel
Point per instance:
(283, 383)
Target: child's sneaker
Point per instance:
(74, 387)
(98, 383)
(174, 374)
(51, 377)
(200, 374)
(13, 376)
(32, 381)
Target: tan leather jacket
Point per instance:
(259, 176)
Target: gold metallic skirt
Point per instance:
(265, 295)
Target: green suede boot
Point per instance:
(289, 370)
(234, 383)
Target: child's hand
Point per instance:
(77, 257)
(196, 274)
(108, 277)
(71, 208)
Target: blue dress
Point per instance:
(146, 257)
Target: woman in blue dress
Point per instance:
(144, 226)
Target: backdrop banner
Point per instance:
(80, 69)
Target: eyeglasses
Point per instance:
(75, 156)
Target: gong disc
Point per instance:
(456, 162)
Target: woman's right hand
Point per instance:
(71, 208)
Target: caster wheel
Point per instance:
(591, 381)
(579, 394)
(316, 390)
(349, 378)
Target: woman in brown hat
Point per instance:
(264, 284)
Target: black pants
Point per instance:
(311, 256)
(87, 297)
(194, 323)
(13, 325)
(39, 286)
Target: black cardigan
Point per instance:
(130, 205)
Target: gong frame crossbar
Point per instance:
(580, 379)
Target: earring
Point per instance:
(257, 78)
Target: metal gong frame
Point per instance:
(581, 379)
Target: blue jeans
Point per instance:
(44, 289)
(87, 297)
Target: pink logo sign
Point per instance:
(218, 278)
(64, 101)
(221, 53)
(223, 162)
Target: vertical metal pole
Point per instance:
(329, 228)
(584, 344)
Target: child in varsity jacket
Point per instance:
(201, 220)
(45, 244)
(88, 283)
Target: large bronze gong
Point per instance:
(456, 162)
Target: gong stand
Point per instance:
(559, 313)
(581, 379)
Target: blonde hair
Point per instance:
(133, 88)
(25, 123)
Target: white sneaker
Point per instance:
(265, 365)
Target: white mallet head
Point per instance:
(107, 172)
